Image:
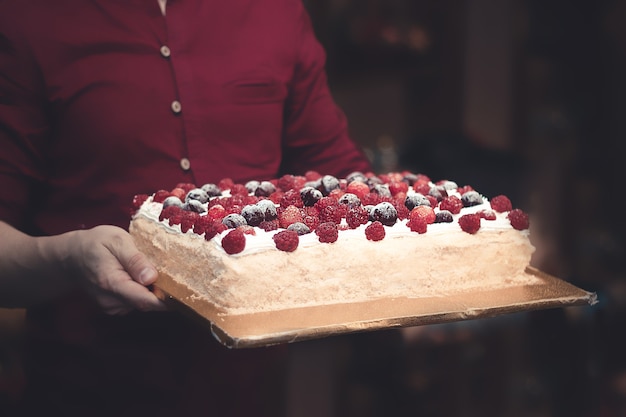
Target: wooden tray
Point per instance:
(286, 326)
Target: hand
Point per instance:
(112, 270)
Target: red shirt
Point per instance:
(104, 99)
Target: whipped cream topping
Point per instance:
(262, 240)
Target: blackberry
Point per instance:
(269, 209)
(253, 214)
(265, 189)
(409, 178)
(382, 190)
(443, 216)
(438, 192)
(212, 190)
(195, 206)
(234, 220)
(471, 198)
(300, 228)
(385, 213)
(349, 200)
(310, 196)
(413, 200)
(251, 186)
(328, 184)
(172, 201)
(449, 185)
(356, 176)
(197, 194)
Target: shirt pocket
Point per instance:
(255, 91)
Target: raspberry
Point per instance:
(168, 212)
(519, 219)
(371, 199)
(214, 228)
(179, 192)
(186, 186)
(234, 241)
(188, 218)
(470, 223)
(375, 231)
(402, 211)
(451, 203)
(289, 215)
(239, 190)
(356, 216)
(286, 240)
(487, 215)
(160, 196)
(291, 198)
(333, 213)
(247, 230)
(425, 212)
(464, 189)
(138, 200)
(276, 196)
(325, 202)
(418, 224)
(358, 188)
(286, 182)
(337, 193)
(311, 221)
(312, 175)
(327, 232)
(225, 184)
(396, 187)
(269, 225)
(501, 203)
(422, 188)
(217, 212)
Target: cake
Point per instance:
(317, 240)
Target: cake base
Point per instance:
(292, 325)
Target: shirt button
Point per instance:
(165, 51)
(185, 164)
(176, 106)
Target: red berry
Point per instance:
(418, 224)
(501, 203)
(286, 182)
(325, 202)
(422, 188)
(160, 196)
(333, 213)
(225, 184)
(433, 200)
(470, 223)
(519, 219)
(451, 203)
(464, 189)
(289, 215)
(425, 212)
(239, 190)
(286, 240)
(396, 187)
(213, 229)
(487, 214)
(185, 186)
(358, 188)
(216, 212)
(188, 218)
(269, 225)
(356, 216)
(327, 232)
(312, 175)
(179, 192)
(169, 211)
(375, 231)
(138, 200)
(234, 241)
(291, 198)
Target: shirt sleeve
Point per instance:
(316, 131)
(23, 129)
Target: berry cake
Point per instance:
(315, 240)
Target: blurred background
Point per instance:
(519, 97)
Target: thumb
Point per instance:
(134, 262)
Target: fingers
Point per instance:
(119, 273)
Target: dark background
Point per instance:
(519, 97)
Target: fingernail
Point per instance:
(147, 276)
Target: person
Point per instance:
(105, 99)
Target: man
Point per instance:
(101, 100)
